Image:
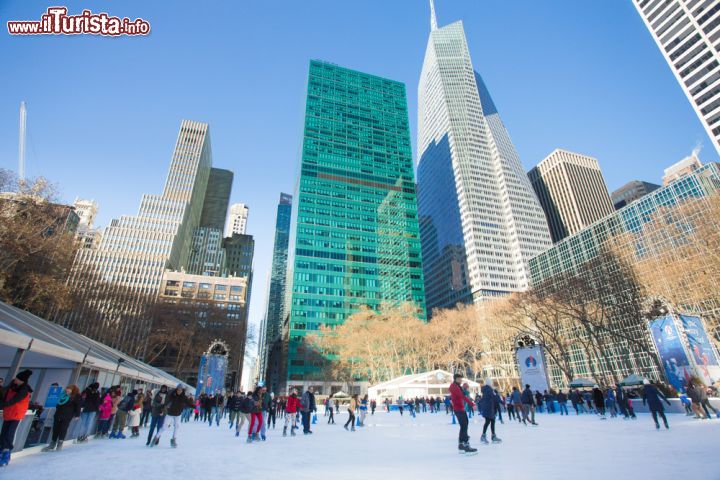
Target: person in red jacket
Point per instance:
(458, 399)
(291, 409)
(14, 399)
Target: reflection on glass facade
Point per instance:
(271, 327)
(356, 238)
(481, 221)
(572, 252)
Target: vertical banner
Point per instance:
(701, 349)
(531, 365)
(672, 351)
(211, 376)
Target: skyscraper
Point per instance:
(135, 250)
(479, 217)
(272, 321)
(572, 192)
(680, 169)
(356, 169)
(631, 191)
(687, 32)
(237, 222)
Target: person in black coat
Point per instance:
(599, 401)
(90, 406)
(488, 409)
(68, 407)
(652, 397)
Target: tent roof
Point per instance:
(433, 377)
(582, 382)
(21, 329)
(633, 379)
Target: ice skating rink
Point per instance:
(391, 447)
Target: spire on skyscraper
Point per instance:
(433, 19)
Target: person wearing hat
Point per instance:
(15, 400)
(174, 405)
(458, 400)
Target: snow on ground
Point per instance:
(390, 447)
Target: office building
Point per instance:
(684, 167)
(356, 168)
(237, 221)
(479, 217)
(687, 32)
(631, 191)
(621, 230)
(572, 192)
(270, 330)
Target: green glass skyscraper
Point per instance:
(355, 235)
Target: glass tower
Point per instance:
(480, 219)
(356, 239)
(272, 323)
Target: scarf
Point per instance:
(64, 398)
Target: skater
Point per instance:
(233, 406)
(14, 400)
(91, 404)
(134, 416)
(307, 408)
(562, 403)
(351, 411)
(157, 414)
(499, 405)
(256, 415)
(373, 406)
(246, 405)
(104, 414)
(516, 398)
(68, 407)
(610, 403)
(272, 411)
(488, 408)
(621, 401)
(694, 395)
(120, 419)
(174, 405)
(528, 405)
(704, 401)
(291, 409)
(652, 397)
(147, 409)
(599, 400)
(458, 401)
(331, 409)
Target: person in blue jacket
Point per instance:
(652, 397)
(488, 409)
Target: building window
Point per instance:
(236, 289)
(220, 288)
(188, 284)
(172, 283)
(204, 286)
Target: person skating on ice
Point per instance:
(652, 397)
(458, 400)
(291, 409)
(488, 409)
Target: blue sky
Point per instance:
(103, 113)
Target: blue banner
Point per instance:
(672, 351)
(211, 376)
(701, 349)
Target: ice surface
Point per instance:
(391, 447)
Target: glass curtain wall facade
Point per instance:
(623, 229)
(272, 322)
(480, 219)
(356, 238)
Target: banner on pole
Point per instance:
(211, 376)
(703, 354)
(672, 351)
(531, 364)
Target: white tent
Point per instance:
(428, 384)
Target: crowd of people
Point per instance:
(110, 413)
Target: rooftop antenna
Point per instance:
(21, 145)
(433, 19)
